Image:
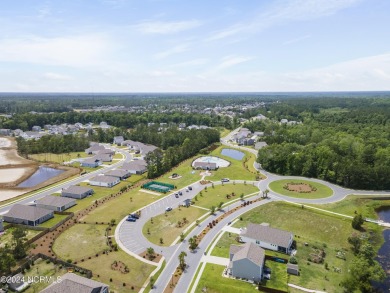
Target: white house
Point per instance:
(266, 237)
(104, 181)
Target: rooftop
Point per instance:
(268, 234)
(248, 251)
(104, 178)
(75, 189)
(29, 213)
(73, 283)
(56, 201)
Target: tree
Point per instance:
(182, 262)
(182, 237)
(19, 242)
(357, 222)
(356, 242)
(193, 243)
(212, 210)
(161, 240)
(242, 196)
(7, 260)
(220, 205)
(112, 222)
(150, 252)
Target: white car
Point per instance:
(168, 209)
(225, 180)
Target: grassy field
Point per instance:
(278, 275)
(319, 232)
(6, 237)
(58, 158)
(138, 271)
(165, 225)
(81, 240)
(214, 282)
(121, 206)
(53, 221)
(41, 268)
(321, 192)
(185, 170)
(213, 196)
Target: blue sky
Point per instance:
(194, 46)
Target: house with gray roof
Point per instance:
(106, 151)
(269, 238)
(260, 145)
(55, 203)
(91, 162)
(17, 283)
(1, 225)
(74, 283)
(118, 140)
(205, 165)
(120, 173)
(27, 215)
(77, 192)
(246, 262)
(104, 181)
(94, 149)
(135, 167)
(103, 157)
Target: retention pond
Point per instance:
(41, 175)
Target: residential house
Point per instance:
(27, 215)
(106, 151)
(1, 225)
(74, 283)
(104, 181)
(128, 143)
(135, 167)
(77, 192)
(284, 121)
(246, 262)
(91, 162)
(260, 145)
(36, 128)
(5, 132)
(147, 148)
(47, 126)
(103, 157)
(118, 140)
(17, 283)
(55, 203)
(205, 165)
(182, 126)
(104, 125)
(94, 149)
(120, 173)
(269, 238)
(193, 127)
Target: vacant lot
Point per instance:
(57, 218)
(166, 225)
(6, 237)
(81, 240)
(320, 190)
(58, 158)
(213, 196)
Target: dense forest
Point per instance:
(346, 142)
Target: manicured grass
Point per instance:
(80, 240)
(138, 271)
(118, 156)
(41, 268)
(99, 192)
(6, 237)
(318, 230)
(165, 225)
(321, 192)
(58, 158)
(223, 245)
(214, 282)
(278, 275)
(189, 176)
(121, 206)
(223, 131)
(57, 218)
(213, 196)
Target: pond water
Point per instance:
(234, 154)
(384, 252)
(41, 175)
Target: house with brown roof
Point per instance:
(55, 203)
(246, 262)
(77, 192)
(266, 237)
(27, 215)
(74, 283)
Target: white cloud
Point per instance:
(230, 61)
(172, 51)
(194, 62)
(56, 76)
(161, 27)
(160, 73)
(296, 40)
(284, 12)
(77, 51)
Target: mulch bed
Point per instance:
(156, 259)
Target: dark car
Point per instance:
(134, 215)
(189, 187)
(176, 195)
(131, 219)
(180, 193)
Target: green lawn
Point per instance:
(185, 170)
(41, 268)
(6, 237)
(214, 282)
(80, 240)
(57, 218)
(58, 158)
(223, 245)
(278, 275)
(318, 231)
(121, 206)
(321, 192)
(213, 196)
(99, 192)
(138, 271)
(165, 225)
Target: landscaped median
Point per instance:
(300, 188)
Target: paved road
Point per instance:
(56, 188)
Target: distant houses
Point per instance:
(55, 203)
(94, 149)
(27, 215)
(91, 162)
(74, 283)
(78, 192)
(269, 238)
(118, 140)
(135, 167)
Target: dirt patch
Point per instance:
(120, 266)
(155, 259)
(300, 187)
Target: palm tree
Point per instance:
(266, 193)
(182, 262)
(150, 253)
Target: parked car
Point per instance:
(131, 219)
(189, 187)
(168, 209)
(180, 193)
(176, 195)
(187, 190)
(225, 180)
(134, 215)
